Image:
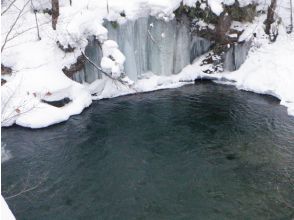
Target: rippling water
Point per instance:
(203, 151)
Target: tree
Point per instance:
(55, 12)
(20, 13)
(291, 18)
(270, 16)
(13, 31)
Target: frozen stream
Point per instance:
(202, 151)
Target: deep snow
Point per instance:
(37, 64)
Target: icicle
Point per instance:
(199, 46)
(161, 41)
(182, 47)
(236, 55)
(149, 44)
(93, 51)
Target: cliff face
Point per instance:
(166, 47)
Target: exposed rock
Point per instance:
(5, 70)
(3, 81)
(67, 49)
(58, 103)
(77, 66)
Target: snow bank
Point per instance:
(269, 70)
(37, 64)
(6, 214)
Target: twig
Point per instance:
(8, 7)
(13, 25)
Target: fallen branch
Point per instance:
(27, 186)
(105, 73)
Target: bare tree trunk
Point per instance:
(291, 17)
(270, 16)
(55, 12)
(36, 20)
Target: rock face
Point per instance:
(77, 66)
(4, 72)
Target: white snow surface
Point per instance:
(6, 214)
(269, 70)
(37, 64)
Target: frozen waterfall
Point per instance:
(149, 44)
(236, 55)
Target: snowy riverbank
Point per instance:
(37, 64)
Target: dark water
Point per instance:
(204, 151)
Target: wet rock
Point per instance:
(58, 103)
(77, 66)
(66, 49)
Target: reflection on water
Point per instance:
(5, 154)
(198, 152)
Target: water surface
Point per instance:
(203, 151)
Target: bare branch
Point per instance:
(8, 7)
(105, 73)
(36, 20)
(23, 191)
(27, 188)
(13, 25)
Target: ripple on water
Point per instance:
(5, 154)
(198, 152)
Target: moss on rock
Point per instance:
(242, 14)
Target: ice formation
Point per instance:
(149, 44)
